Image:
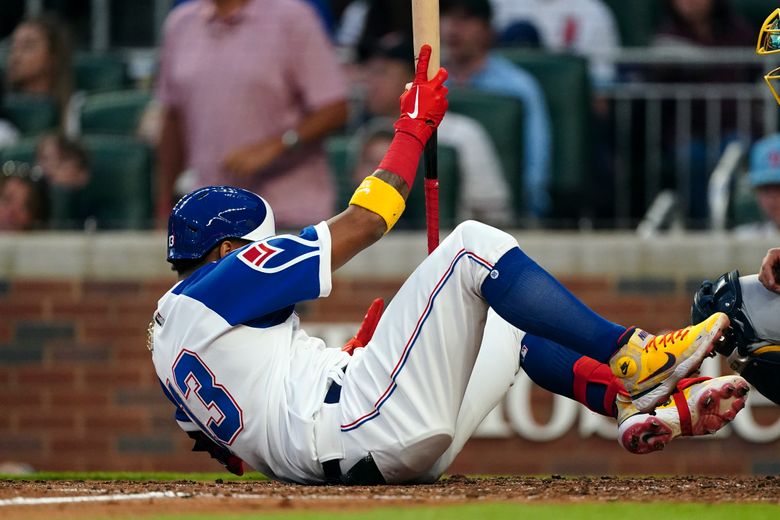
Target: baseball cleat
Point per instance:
(699, 407)
(651, 366)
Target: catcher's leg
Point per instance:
(753, 342)
(762, 308)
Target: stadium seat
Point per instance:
(119, 194)
(120, 191)
(32, 115)
(341, 161)
(22, 151)
(502, 118)
(637, 20)
(566, 84)
(114, 113)
(100, 72)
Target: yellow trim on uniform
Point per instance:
(377, 196)
(765, 350)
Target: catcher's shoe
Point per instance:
(650, 366)
(698, 407)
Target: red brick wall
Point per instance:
(78, 391)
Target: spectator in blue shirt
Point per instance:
(467, 39)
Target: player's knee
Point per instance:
(469, 228)
(421, 454)
(474, 235)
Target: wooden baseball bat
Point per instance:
(425, 26)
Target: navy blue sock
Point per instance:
(549, 365)
(552, 366)
(529, 298)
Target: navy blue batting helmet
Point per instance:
(205, 217)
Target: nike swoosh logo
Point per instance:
(413, 115)
(670, 361)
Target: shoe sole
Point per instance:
(713, 409)
(717, 407)
(651, 434)
(647, 402)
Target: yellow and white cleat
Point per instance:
(651, 366)
(699, 407)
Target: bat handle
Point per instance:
(432, 193)
(431, 157)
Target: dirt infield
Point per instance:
(101, 498)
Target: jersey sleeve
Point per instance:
(260, 284)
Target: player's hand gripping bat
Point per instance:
(425, 26)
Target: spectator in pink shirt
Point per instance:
(249, 89)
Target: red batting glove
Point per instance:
(367, 328)
(424, 104)
(422, 109)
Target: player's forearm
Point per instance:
(381, 198)
(356, 228)
(170, 162)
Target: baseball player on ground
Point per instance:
(249, 384)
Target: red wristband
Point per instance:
(403, 156)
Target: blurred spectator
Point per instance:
(352, 22)
(467, 37)
(63, 162)
(764, 175)
(697, 25)
(39, 64)
(583, 27)
(23, 198)
(249, 89)
(365, 22)
(8, 132)
(323, 8)
(704, 23)
(484, 193)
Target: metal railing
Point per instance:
(670, 136)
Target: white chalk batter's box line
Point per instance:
(38, 501)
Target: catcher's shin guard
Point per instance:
(754, 358)
(760, 368)
(724, 295)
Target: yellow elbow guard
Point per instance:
(377, 196)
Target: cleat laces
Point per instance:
(667, 339)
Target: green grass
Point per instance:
(130, 475)
(504, 511)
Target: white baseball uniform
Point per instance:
(229, 352)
